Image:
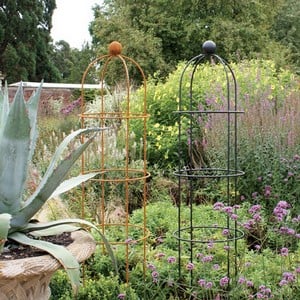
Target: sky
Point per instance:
(70, 21)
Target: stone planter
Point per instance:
(29, 278)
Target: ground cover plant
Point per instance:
(267, 208)
(268, 265)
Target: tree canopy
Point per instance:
(25, 42)
(160, 33)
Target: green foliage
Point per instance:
(104, 287)
(262, 268)
(72, 62)
(159, 34)
(18, 135)
(25, 41)
(60, 286)
(260, 262)
(286, 30)
(262, 91)
(137, 44)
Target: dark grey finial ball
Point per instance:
(209, 47)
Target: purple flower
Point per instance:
(234, 217)
(289, 277)
(283, 204)
(70, 107)
(265, 291)
(225, 232)
(171, 259)
(209, 285)
(284, 251)
(155, 274)
(202, 282)
(241, 280)
(190, 266)
(210, 245)
(257, 217)
(249, 224)
(228, 210)
(249, 283)
(224, 281)
(130, 241)
(218, 206)
(283, 282)
(267, 191)
(257, 247)
(281, 210)
(254, 209)
(283, 230)
(207, 258)
(291, 231)
(121, 296)
(160, 255)
(151, 267)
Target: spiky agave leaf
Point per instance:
(55, 227)
(72, 182)
(62, 254)
(53, 177)
(4, 107)
(14, 149)
(4, 227)
(32, 107)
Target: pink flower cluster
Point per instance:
(205, 284)
(281, 210)
(262, 293)
(287, 278)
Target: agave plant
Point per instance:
(18, 135)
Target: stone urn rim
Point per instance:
(82, 247)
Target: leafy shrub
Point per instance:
(267, 260)
(104, 287)
(260, 87)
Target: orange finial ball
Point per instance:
(115, 48)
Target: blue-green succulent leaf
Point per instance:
(32, 106)
(71, 183)
(65, 257)
(61, 148)
(55, 230)
(52, 178)
(31, 227)
(4, 108)
(14, 149)
(4, 227)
